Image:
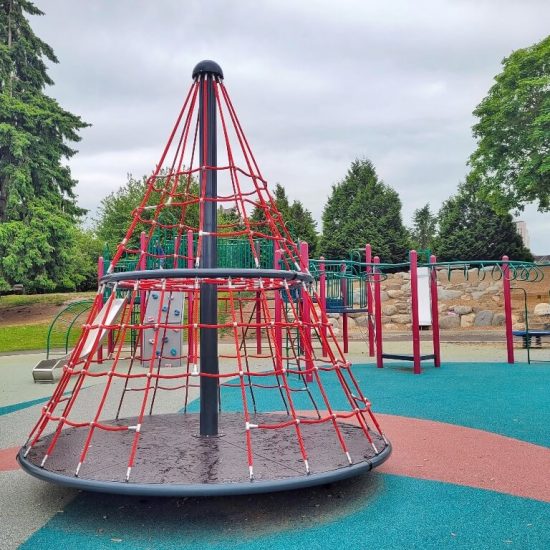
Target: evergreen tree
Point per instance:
(302, 227)
(298, 220)
(41, 244)
(424, 228)
(362, 209)
(34, 129)
(470, 229)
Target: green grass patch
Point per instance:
(33, 337)
(58, 299)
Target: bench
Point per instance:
(528, 335)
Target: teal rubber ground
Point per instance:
(378, 510)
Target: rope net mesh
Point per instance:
(139, 353)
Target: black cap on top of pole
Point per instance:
(207, 72)
(207, 67)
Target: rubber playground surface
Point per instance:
(470, 469)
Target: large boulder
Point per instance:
(462, 310)
(389, 309)
(542, 309)
(498, 319)
(362, 321)
(355, 315)
(395, 293)
(447, 294)
(400, 319)
(483, 318)
(449, 322)
(467, 320)
(393, 286)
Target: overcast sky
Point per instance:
(316, 84)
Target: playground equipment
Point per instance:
(135, 430)
(528, 335)
(353, 286)
(504, 270)
(60, 333)
(429, 303)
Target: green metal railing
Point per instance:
(353, 273)
(231, 253)
(60, 328)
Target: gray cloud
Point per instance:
(316, 84)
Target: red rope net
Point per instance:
(139, 354)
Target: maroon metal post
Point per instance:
(190, 304)
(142, 265)
(378, 314)
(368, 288)
(258, 308)
(507, 308)
(413, 258)
(344, 291)
(177, 245)
(323, 303)
(100, 273)
(278, 315)
(435, 313)
(306, 316)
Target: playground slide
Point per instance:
(43, 372)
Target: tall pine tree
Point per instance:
(470, 229)
(424, 228)
(297, 219)
(40, 241)
(362, 209)
(34, 129)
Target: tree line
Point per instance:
(44, 246)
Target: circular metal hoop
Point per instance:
(203, 273)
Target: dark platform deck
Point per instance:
(173, 460)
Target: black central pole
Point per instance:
(206, 72)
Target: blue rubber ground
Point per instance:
(398, 513)
(376, 510)
(511, 400)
